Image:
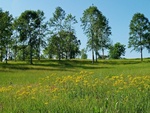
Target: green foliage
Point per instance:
(96, 27)
(139, 33)
(41, 34)
(90, 20)
(5, 33)
(31, 32)
(117, 51)
(62, 43)
(83, 54)
(29, 20)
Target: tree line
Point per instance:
(29, 36)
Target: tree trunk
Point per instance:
(141, 54)
(66, 56)
(103, 53)
(6, 57)
(38, 55)
(141, 49)
(92, 49)
(96, 56)
(1, 56)
(59, 56)
(23, 57)
(15, 52)
(39, 49)
(92, 57)
(31, 54)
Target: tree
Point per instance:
(70, 45)
(19, 39)
(101, 37)
(71, 39)
(15, 36)
(92, 21)
(42, 28)
(56, 23)
(116, 51)
(105, 41)
(28, 29)
(53, 46)
(5, 33)
(63, 37)
(147, 41)
(83, 54)
(139, 30)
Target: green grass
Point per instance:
(75, 86)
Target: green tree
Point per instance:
(83, 54)
(92, 21)
(5, 33)
(71, 47)
(15, 36)
(104, 40)
(117, 51)
(70, 40)
(19, 39)
(56, 25)
(28, 29)
(139, 30)
(41, 34)
(147, 41)
(63, 40)
(53, 48)
(101, 36)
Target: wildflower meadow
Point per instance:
(86, 90)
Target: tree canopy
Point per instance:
(95, 27)
(139, 33)
(6, 31)
(117, 51)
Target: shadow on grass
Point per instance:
(9, 68)
(121, 62)
(51, 65)
(6, 71)
(70, 64)
(66, 65)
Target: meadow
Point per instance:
(75, 86)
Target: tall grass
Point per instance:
(76, 87)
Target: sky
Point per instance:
(118, 12)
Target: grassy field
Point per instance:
(75, 86)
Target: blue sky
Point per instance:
(119, 13)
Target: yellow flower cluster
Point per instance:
(6, 89)
(54, 86)
(126, 82)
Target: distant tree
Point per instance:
(5, 33)
(70, 39)
(54, 45)
(101, 37)
(105, 41)
(15, 36)
(117, 51)
(63, 42)
(19, 39)
(41, 33)
(70, 45)
(92, 22)
(147, 41)
(83, 54)
(28, 24)
(56, 24)
(139, 30)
